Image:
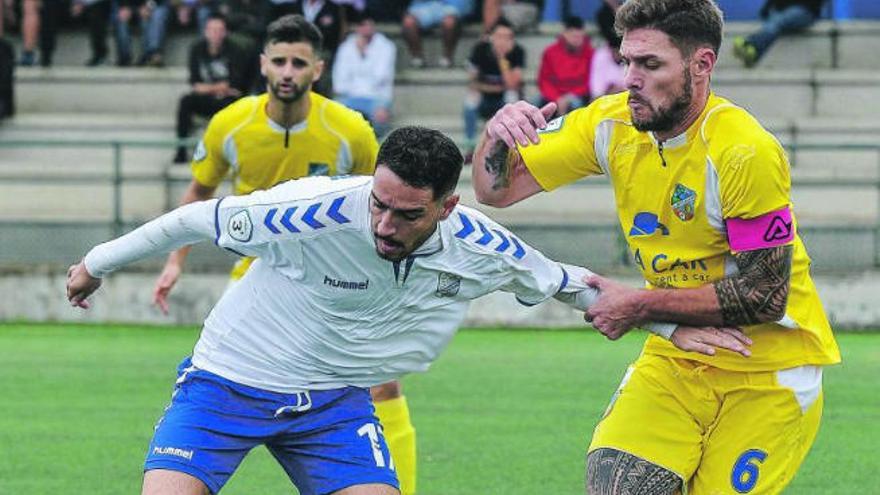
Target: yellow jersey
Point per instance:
(243, 142)
(677, 201)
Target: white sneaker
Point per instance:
(444, 63)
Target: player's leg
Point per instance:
(166, 482)
(393, 413)
(651, 436)
(332, 442)
(764, 430)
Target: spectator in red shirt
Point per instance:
(564, 76)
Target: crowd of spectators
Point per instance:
(359, 61)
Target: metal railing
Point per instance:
(116, 178)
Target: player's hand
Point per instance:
(519, 123)
(706, 340)
(164, 284)
(80, 285)
(616, 310)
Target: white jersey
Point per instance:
(320, 309)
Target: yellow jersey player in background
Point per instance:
(287, 133)
(703, 198)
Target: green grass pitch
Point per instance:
(501, 412)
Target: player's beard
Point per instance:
(294, 96)
(665, 119)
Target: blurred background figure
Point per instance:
(97, 14)
(495, 69)
(564, 75)
(606, 71)
(425, 14)
(7, 74)
(39, 22)
(780, 17)
(522, 14)
(152, 15)
(363, 73)
(218, 75)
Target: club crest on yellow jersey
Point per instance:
(683, 200)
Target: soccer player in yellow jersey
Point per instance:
(286, 133)
(703, 197)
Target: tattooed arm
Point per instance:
(612, 472)
(757, 294)
(500, 176)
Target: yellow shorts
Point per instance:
(722, 432)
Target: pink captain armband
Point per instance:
(769, 230)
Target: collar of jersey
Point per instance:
(690, 133)
(432, 245)
(292, 129)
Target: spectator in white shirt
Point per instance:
(363, 73)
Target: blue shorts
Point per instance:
(324, 440)
(429, 13)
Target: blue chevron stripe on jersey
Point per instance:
(333, 212)
(520, 251)
(487, 236)
(309, 219)
(504, 242)
(467, 227)
(285, 220)
(270, 216)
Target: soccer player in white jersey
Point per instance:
(358, 281)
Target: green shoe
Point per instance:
(745, 51)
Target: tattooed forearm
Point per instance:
(498, 165)
(612, 472)
(759, 292)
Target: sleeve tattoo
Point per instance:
(612, 472)
(759, 292)
(498, 164)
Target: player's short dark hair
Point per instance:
(422, 158)
(690, 24)
(573, 22)
(502, 22)
(294, 29)
(217, 16)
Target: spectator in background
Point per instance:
(7, 74)
(40, 20)
(780, 17)
(97, 14)
(425, 14)
(495, 69)
(246, 20)
(153, 18)
(363, 73)
(522, 14)
(606, 70)
(329, 17)
(218, 72)
(564, 75)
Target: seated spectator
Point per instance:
(780, 17)
(217, 74)
(7, 77)
(97, 14)
(606, 70)
(363, 74)
(153, 18)
(39, 19)
(425, 14)
(495, 68)
(564, 75)
(522, 14)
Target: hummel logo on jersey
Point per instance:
(186, 454)
(342, 284)
(645, 224)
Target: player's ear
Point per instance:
(319, 69)
(703, 61)
(264, 60)
(448, 205)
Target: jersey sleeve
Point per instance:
(264, 222)
(566, 151)
(364, 149)
(754, 182)
(209, 164)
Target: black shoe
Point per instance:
(96, 61)
(180, 156)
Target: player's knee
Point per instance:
(164, 482)
(606, 468)
(386, 391)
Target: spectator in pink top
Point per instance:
(564, 75)
(606, 73)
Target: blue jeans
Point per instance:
(788, 20)
(153, 31)
(368, 108)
